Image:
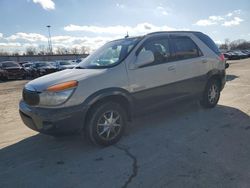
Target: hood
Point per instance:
(67, 66)
(12, 68)
(44, 82)
(47, 67)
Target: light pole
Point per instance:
(49, 41)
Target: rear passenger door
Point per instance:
(150, 84)
(191, 67)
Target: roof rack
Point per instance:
(162, 32)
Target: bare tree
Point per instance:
(31, 51)
(226, 45)
(42, 50)
(75, 50)
(15, 53)
(84, 50)
(61, 51)
(4, 53)
(239, 44)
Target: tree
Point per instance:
(84, 50)
(239, 44)
(4, 53)
(75, 51)
(41, 50)
(226, 45)
(31, 51)
(16, 53)
(61, 51)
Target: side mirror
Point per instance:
(144, 58)
(227, 65)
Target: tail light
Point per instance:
(222, 58)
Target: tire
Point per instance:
(106, 123)
(211, 94)
(4, 78)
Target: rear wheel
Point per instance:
(211, 94)
(4, 78)
(106, 123)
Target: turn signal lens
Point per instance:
(63, 86)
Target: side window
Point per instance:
(10, 64)
(185, 48)
(160, 49)
(209, 42)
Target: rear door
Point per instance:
(191, 66)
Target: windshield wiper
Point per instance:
(78, 67)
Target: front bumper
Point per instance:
(53, 120)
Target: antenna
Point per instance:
(127, 35)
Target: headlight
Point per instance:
(57, 94)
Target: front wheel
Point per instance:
(211, 94)
(106, 123)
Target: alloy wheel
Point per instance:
(109, 125)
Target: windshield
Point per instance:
(27, 65)
(110, 54)
(65, 63)
(42, 64)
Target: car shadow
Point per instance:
(48, 161)
(231, 77)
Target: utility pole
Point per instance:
(50, 50)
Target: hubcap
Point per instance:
(213, 93)
(109, 125)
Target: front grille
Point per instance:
(31, 97)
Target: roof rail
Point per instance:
(162, 32)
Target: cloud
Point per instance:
(141, 28)
(223, 20)
(161, 10)
(205, 22)
(229, 14)
(119, 5)
(71, 41)
(218, 42)
(32, 37)
(233, 22)
(21, 41)
(46, 4)
(216, 18)
(212, 20)
(1, 35)
(10, 44)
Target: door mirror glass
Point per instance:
(144, 58)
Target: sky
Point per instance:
(76, 23)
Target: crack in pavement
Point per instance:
(135, 166)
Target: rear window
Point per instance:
(184, 48)
(209, 42)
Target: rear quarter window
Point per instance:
(209, 42)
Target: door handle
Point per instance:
(171, 68)
(204, 61)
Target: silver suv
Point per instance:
(124, 76)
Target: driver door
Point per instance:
(152, 84)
